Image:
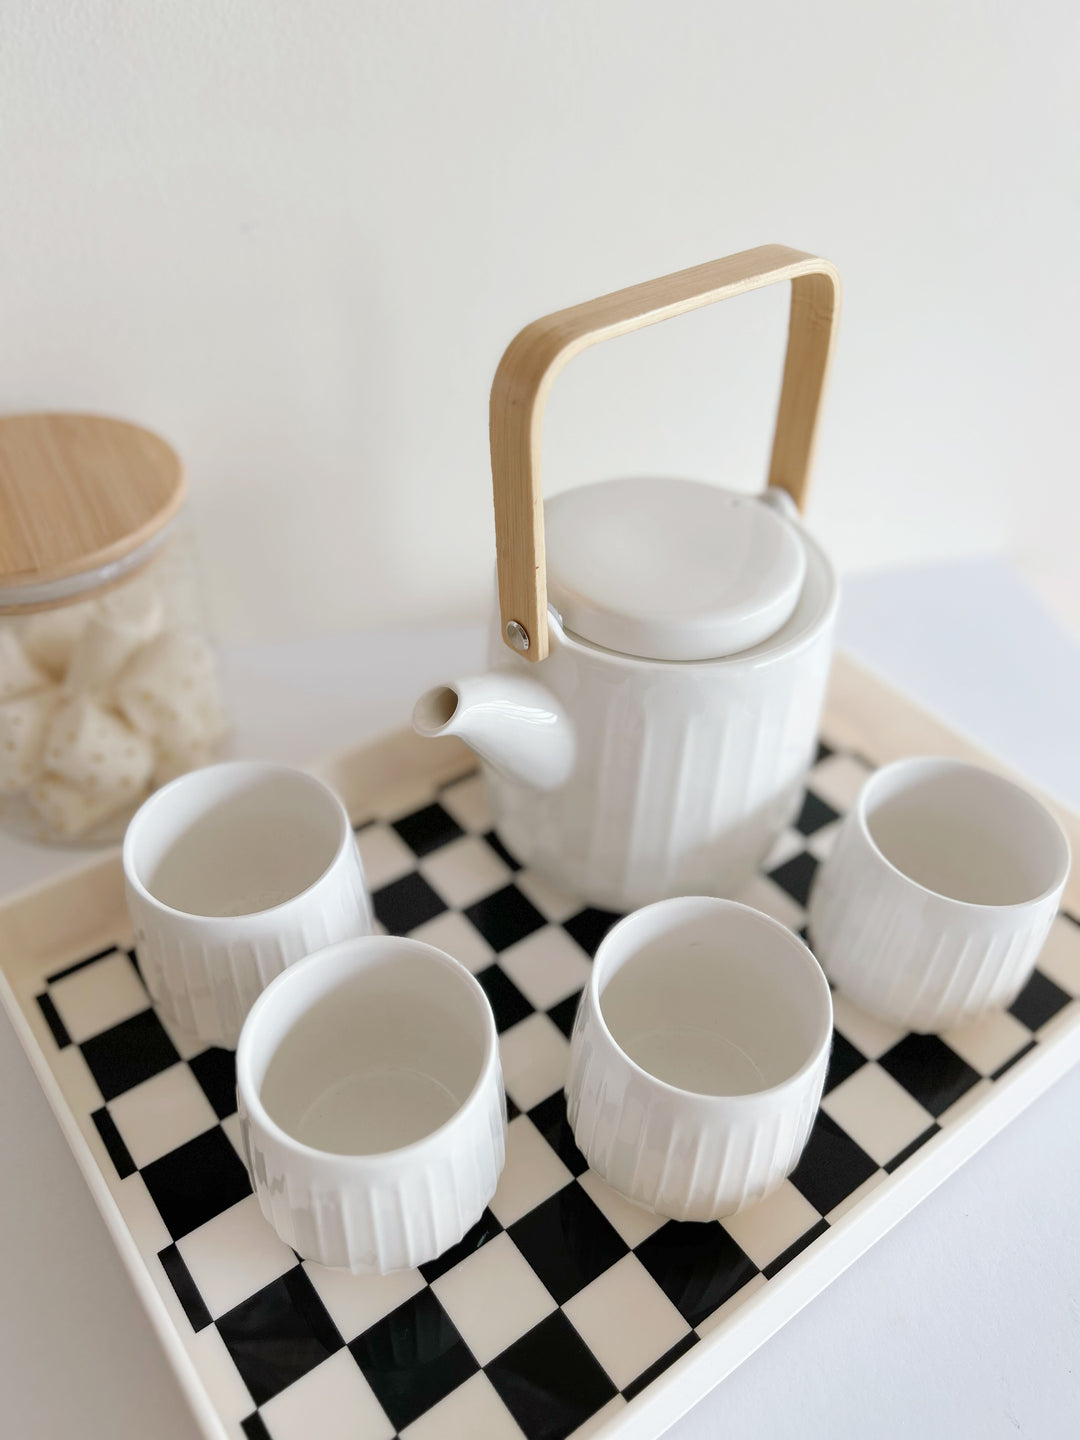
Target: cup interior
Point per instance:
(387, 1050)
(714, 998)
(965, 833)
(235, 839)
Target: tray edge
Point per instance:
(676, 1392)
(399, 753)
(183, 1367)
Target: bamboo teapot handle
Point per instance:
(536, 355)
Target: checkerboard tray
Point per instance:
(565, 1311)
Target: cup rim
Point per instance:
(254, 767)
(821, 1046)
(940, 764)
(250, 1094)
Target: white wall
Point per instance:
(295, 237)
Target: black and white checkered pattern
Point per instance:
(564, 1302)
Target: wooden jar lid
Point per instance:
(78, 494)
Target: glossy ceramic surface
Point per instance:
(232, 873)
(564, 1306)
(371, 1104)
(698, 1057)
(628, 780)
(669, 569)
(936, 900)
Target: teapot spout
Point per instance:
(512, 722)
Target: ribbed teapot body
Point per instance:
(685, 773)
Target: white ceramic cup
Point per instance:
(698, 1056)
(937, 896)
(371, 1104)
(232, 873)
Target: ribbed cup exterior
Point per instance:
(205, 973)
(389, 1212)
(680, 1153)
(920, 960)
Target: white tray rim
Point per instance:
(398, 755)
(205, 1412)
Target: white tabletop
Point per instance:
(964, 1321)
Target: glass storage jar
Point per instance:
(108, 687)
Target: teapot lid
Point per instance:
(668, 569)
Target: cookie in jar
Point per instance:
(108, 685)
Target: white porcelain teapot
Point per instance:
(657, 680)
